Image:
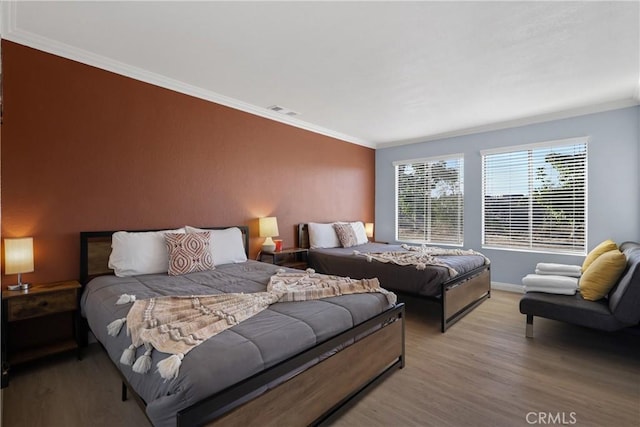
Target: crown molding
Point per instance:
(541, 118)
(12, 33)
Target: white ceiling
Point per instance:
(373, 73)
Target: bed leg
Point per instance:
(443, 304)
(402, 317)
(124, 391)
(529, 330)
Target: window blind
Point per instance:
(430, 200)
(535, 197)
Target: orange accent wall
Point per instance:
(87, 149)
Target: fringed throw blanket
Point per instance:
(420, 256)
(178, 324)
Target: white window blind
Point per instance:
(430, 200)
(535, 197)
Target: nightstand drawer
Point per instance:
(41, 304)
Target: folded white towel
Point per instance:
(550, 282)
(546, 290)
(557, 273)
(554, 269)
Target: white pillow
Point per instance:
(134, 253)
(322, 236)
(361, 233)
(227, 245)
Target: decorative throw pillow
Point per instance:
(188, 253)
(346, 235)
(606, 246)
(602, 275)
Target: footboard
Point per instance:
(320, 392)
(463, 294)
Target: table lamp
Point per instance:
(18, 259)
(368, 228)
(268, 228)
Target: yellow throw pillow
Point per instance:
(606, 246)
(602, 275)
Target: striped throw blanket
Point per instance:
(420, 256)
(177, 324)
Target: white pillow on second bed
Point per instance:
(361, 232)
(322, 236)
(325, 236)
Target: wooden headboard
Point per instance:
(95, 248)
(303, 236)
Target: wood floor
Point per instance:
(482, 372)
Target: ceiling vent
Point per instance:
(282, 110)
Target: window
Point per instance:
(430, 200)
(534, 197)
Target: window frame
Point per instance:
(433, 159)
(530, 148)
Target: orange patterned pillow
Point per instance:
(188, 253)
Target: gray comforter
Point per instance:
(281, 331)
(343, 262)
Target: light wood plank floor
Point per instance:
(482, 372)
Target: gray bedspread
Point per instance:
(343, 262)
(279, 332)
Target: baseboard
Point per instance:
(508, 287)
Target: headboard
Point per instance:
(303, 236)
(95, 248)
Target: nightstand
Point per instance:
(290, 257)
(38, 322)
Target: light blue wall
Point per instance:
(613, 182)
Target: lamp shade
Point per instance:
(368, 228)
(18, 255)
(268, 226)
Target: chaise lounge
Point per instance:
(618, 310)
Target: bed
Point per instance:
(456, 296)
(314, 356)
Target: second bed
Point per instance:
(457, 293)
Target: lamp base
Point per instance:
(268, 248)
(268, 245)
(18, 287)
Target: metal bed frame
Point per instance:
(457, 298)
(335, 389)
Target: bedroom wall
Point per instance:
(86, 149)
(613, 182)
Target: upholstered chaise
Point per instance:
(620, 309)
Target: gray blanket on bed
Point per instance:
(277, 333)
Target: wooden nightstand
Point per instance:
(39, 322)
(290, 257)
